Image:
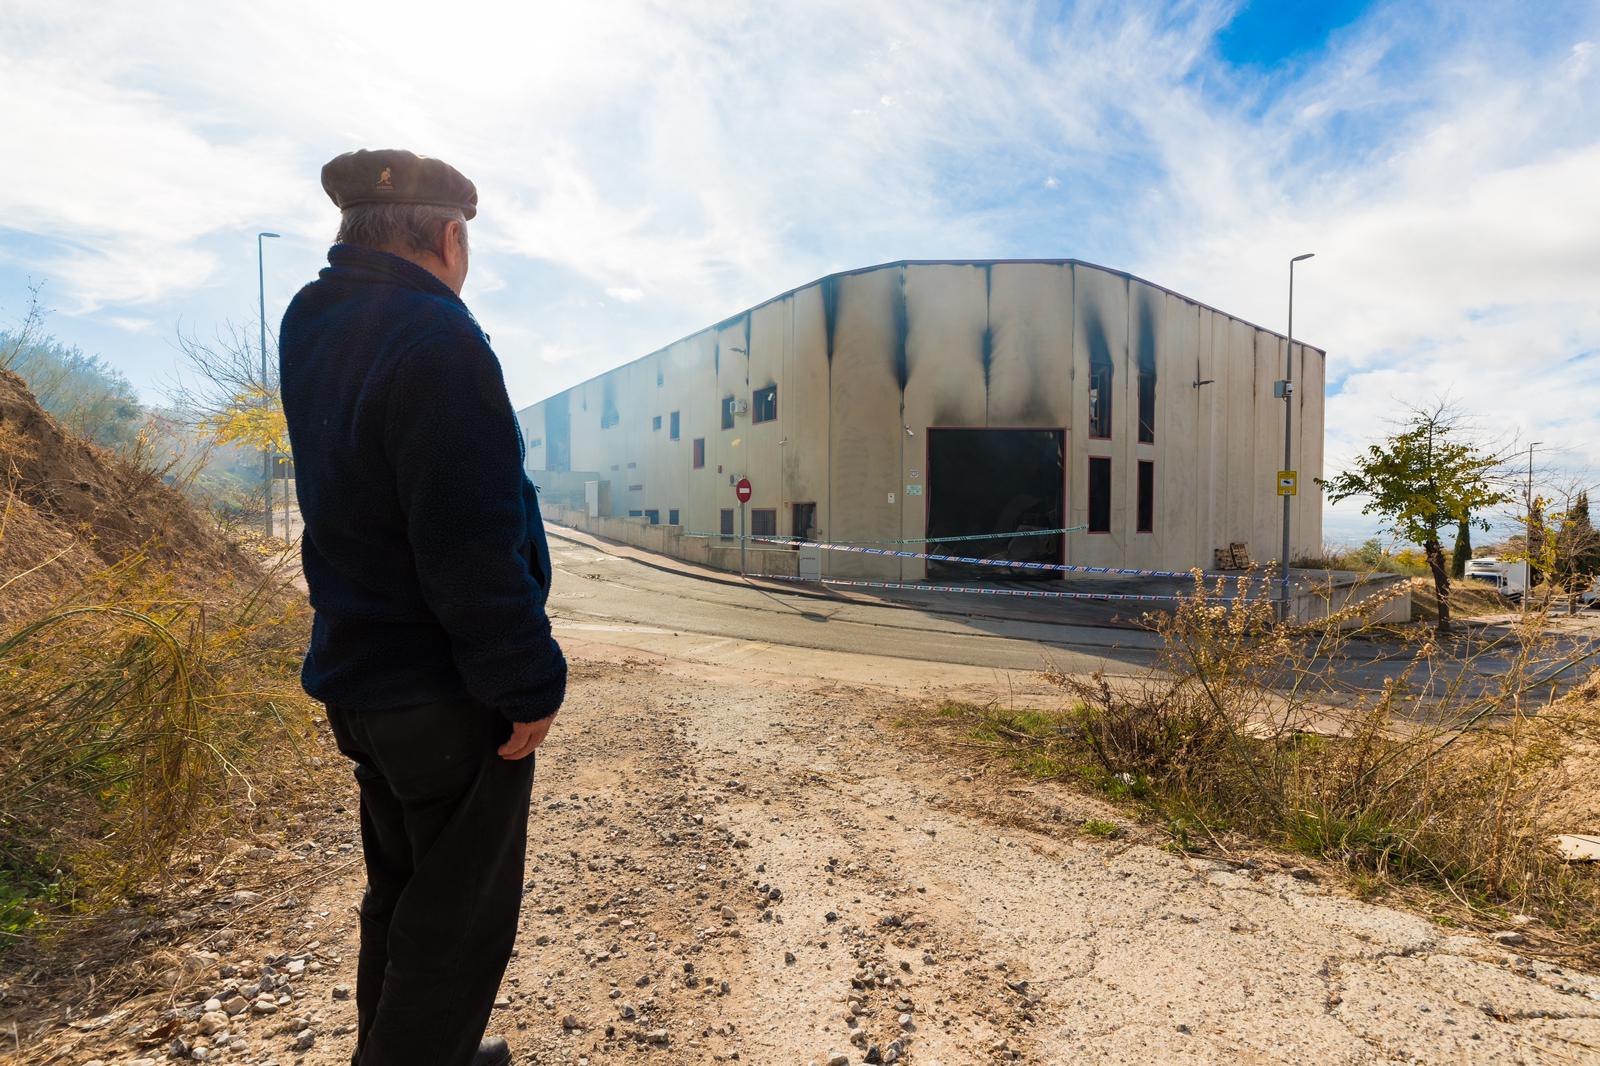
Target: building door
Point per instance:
(996, 481)
(804, 521)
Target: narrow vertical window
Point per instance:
(726, 529)
(1099, 495)
(672, 517)
(1147, 395)
(699, 452)
(727, 412)
(674, 425)
(655, 422)
(1100, 393)
(1147, 496)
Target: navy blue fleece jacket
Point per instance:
(424, 550)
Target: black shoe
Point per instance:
(492, 1051)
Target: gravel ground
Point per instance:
(771, 866)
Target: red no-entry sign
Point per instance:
(742, 490)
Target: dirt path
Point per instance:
(731, 864)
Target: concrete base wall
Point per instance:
(1316, 596)
(671, 541)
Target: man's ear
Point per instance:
(452, 243)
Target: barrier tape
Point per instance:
(1024, 593)
(914, 540)
(1060, 568)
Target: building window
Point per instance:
(727, 412)
(673, 425)
(535, 442)
(609, 415)
(635, 488)
(764, 404)
(652, 516)
(660, 378)
(1099, 495)
(655, 422)
(1147, 395)
(1147, 496)
(672, 517)
(635, 514)
(699, 452)
(1100, 393)
(763, 522)
(726, 529)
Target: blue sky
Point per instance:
(648, 168)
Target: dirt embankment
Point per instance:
(71, 509)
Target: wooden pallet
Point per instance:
(1235, 556)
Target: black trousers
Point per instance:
(444, 828)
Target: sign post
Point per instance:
(742, 491)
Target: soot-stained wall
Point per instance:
(866, 362)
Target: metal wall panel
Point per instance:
(1100, 328)
(943, 375)
(867, 436)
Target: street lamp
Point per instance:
(1527, 535)
(1287, 392)
(266, 460)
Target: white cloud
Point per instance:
(1458, 249)
(624, 294)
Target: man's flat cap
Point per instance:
(396, 176)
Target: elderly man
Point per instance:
(428, 570)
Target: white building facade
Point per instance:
(936, 399)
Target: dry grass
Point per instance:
(1439, 780)
(1467, 600)
(134, 716)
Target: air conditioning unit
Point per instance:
(741, 407)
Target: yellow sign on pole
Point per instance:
(1288, 482)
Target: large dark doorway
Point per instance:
(995, 481)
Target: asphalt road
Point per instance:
(598, 593)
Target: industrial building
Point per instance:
(916, 400)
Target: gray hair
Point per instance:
(403, 227)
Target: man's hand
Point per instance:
(525, 736)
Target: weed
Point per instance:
(1441, 778)
(1097, 827)
(128, 717)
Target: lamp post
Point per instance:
(1288, 443)
(267, 457)
(1527, 535)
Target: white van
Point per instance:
(1508, 578)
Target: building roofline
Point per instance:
(721, 322)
